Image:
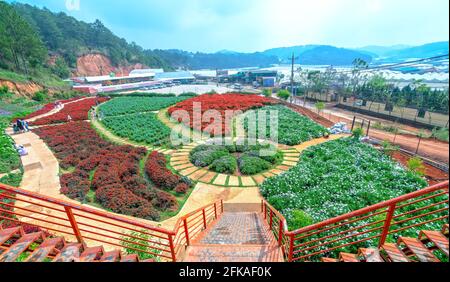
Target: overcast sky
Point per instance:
(256, 25)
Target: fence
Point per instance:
(369, 227)
(91, 226)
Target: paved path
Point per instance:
(236, 237)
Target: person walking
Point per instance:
(69, 118)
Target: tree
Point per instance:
(357, 75)
(24, 47)
(320, 106)
(284, 94)
(267, 93)
(416, 165)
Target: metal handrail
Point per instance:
(161, 239)
(389, 207)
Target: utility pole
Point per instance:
(292, 76)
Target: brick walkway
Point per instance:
(236, 237)
(238, 229)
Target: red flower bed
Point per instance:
(156, 169)
(78, 111)
(111, 171)
(220, 103)
(47, 108)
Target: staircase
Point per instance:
(421, 249)
(16, 246)
(236, 237)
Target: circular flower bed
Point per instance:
(236, 159)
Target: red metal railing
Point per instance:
(92, 226)
(368, 227)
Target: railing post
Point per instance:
(265, 211)
(204, 218)
(215, 211)
(387, 225)
(262, 206)
(172, 249)
(271, 219)
(221, 204)
(74, 225)
(186, 232)
(291, 248)
(280, 234)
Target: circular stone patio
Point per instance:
(181, 163)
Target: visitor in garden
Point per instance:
(15, 128)
(26, 126)
(69, 118)
(20, 125)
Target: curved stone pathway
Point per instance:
(180, 162)
(55, 110)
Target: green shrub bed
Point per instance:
(142, 128)
(293, 128)
(132, 105)
(9, 159)
(228, 159)
(342, 176)
(339, 177)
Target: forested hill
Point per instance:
(70, 38)
(37, 40)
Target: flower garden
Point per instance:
(330, 177)
(236, 159)
(293, 128)
(77, 110)
(134, 118)
(219, 103)
(98, 172)
(336, 178)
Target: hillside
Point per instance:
(219, 60)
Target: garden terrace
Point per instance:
(220, 103)
(78, 111)
(293, 128)
(100, 173)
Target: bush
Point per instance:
(182, 188)
(226, 164)
(300, 219)
(206, 158)
(267, 93)
(253, 165)
(40, 96)
(416, 165)
(123, 201)
(284, 94)
(159, 174)
(358, 133)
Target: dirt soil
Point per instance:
(23, 89)
(433, 175)
(98, 64)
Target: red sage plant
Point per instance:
(219, 103)
(78, 111)
(111, 171)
